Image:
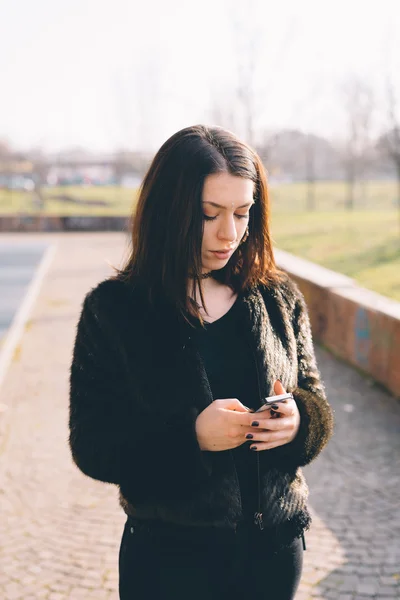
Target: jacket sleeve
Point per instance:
(112, 437)
(316, 416)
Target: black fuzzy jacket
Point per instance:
(137, 385)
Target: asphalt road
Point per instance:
(18, 261)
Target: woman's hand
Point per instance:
(222, 425)
(272, 431)
(226, 423)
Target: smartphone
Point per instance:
(273, 400)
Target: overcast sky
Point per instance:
(111, 73)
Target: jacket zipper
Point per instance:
(230, 451)
(258, 516)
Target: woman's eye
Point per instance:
(207, 218)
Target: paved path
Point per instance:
(60, 531)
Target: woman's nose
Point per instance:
(227, 230)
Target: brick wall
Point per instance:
(357, 325)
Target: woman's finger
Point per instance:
(260, 446)
(274, 424)
(278, 388)
(286, 408)
(270, 437)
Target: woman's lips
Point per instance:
(222, 254)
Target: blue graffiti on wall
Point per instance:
(362, 337)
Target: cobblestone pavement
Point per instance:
(60, 531)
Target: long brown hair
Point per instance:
(167, 227)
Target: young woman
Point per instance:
(173, 356)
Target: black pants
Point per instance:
(176, 563)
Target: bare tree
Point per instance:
(223, 111)
(5, 149)
(310, 151)
(390, 141)
(266, 144)
(6, 159)
(359, 107)
(255, 65)
(139, 102)
(247, 66)
(233, 96)
(39, 175)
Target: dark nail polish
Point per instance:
(253, 447)
(249, 436)
(255, 424)
(275, 406)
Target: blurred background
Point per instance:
(92, 88)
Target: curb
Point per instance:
(16, 329)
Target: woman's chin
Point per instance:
(206, 268)
(215, 265)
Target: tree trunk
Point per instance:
(350, 194)
(351, 180)
(249, 126)
(398, 192)
(310, 166)
(364, 193)
(311, 195)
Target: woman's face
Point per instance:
(226, 203)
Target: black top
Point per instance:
(231, 370)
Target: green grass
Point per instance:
(284, 197)
(363, 244)
(120, 201)
(332, 195)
